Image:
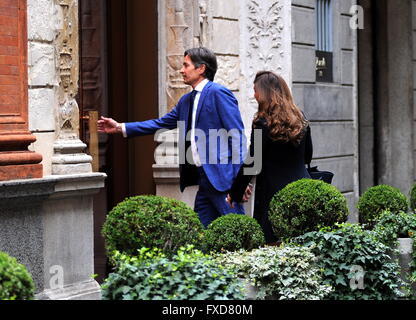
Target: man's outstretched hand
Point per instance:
(109, 126)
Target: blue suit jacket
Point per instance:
(221, 151)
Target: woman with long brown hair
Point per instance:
(286, 147)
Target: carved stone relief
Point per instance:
(202, 27)
(186, 26)
(266, 43)
(229, 72)
(67, 53)
(176, 47)
(68, 149)
(265, 26)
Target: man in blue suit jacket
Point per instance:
(210, 127)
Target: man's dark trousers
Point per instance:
(210, 203)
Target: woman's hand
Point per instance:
(248, 193)
(246, 197)
(109, 126)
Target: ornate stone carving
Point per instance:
(67, 52)
(185, 22)
(69, 157)
(228, 72)
(265, 26)
(68, 117)
(204, 25)
(176, 87)
(266, 44)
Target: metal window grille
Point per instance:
(324, 25)
(324, 42)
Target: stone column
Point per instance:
(183, 24)
(68, 148)
(266, 44)
(394, 100)
(366, 98)
(16, 162)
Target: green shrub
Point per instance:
(188, 275)
(306, 205)
(15, 281)
(233, 232)
(391, 226)
(413, 198)
(285, 273)
(151, 221)
(378, 199)
(413, 266)
(345, 252)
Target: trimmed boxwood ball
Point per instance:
(304, 206)
(151, 222)
(16, 283)
(233, 232)
(378, 199)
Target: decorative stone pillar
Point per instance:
(16, 162)
(68, 148)
(266, 44)
(176, 88)
(180, 29)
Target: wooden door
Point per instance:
(114, 81)
(93, 96)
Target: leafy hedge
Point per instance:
(304, 206)
(152, 222)
(413, 266)
(233, 232)
(285, 273)
(15, 281)
(390, 226)
(344, 253)
(188, 275)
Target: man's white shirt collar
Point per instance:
(201, 85)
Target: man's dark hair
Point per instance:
(200, 56)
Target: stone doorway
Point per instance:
(119, 79)
(386, 88)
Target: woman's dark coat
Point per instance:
(282, 163)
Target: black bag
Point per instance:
(325, 176)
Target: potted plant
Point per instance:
(398, 230)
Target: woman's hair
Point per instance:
(284, 119)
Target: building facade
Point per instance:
(350, 64)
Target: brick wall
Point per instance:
(13, 75)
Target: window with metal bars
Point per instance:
(324, 41)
